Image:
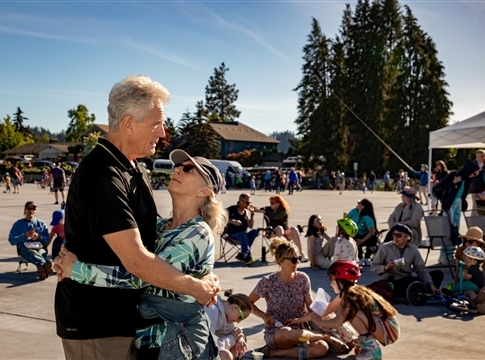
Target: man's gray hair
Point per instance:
(481, 152)
(134, 95)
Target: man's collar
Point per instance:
(117, 155)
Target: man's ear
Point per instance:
(126, 125)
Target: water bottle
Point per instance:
(303, 348)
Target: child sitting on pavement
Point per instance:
(371, 316)
(473, 284)
(473, 237)
(229, 339)
(57, 232)
(345, 247)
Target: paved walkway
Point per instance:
(27, 326)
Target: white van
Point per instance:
(224, 165)
(163, 165)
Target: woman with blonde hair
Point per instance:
(288, 295)
(186, 241)
(277, 213)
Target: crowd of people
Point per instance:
(149, 284)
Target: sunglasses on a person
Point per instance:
(32, 208)
(241, 317)
(294, 259)
(398, 235)
(185, 167)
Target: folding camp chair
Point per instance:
(228, 247)
(438, 228)
(475, 220)
(21, 261)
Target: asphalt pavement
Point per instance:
(27, 323)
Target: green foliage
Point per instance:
(220, 97)
(201, 139)
(80, 122)
(9, 136)
(89, 142)
(247, 158)
(383, 68)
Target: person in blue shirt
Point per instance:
(292, 179)
(31, 236)
(423, 177)
(363, 216)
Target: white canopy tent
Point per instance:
(469, 133)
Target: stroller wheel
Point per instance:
(417, 293)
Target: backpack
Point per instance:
(443, 186)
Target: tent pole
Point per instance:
(430, 169)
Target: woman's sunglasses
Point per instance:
(396, 235)
(294, 259)
(241, 317)
(185, 167)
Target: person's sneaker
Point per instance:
(366, 262)
(248, 260)
(361, 262)
(304, 259)
(63, 205)
(56, 203)
(240, 257)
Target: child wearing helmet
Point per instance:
(345, 247)
(371, 316)
(473, 278)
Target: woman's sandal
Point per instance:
(338, 346)
(266, 350)
(42, 272)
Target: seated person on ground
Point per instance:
(241, 216)
(409, 212)
(318, 253)
(57, 232)
(277, 213)
(473, 237)
(345, 247)
(363, 215)
(473, 284)
(229, 338)
(31, 236)
(395, 261)
(371, 316)
(288, 296)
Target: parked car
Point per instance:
(40, 163)
(73, 164)
(18, 160)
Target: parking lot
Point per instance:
(27, 324)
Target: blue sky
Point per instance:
(58, 54)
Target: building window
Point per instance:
(248, 144)
(229, 145)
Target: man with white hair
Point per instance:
(111, 220)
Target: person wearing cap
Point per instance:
(395, 261)
(58, 181)
(409, 212)
(186, 241)
(57, 232)
(423, 177)
(111, 219)
(473, 237)
(31, 236)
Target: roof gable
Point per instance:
(237, 131)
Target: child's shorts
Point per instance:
(467, 285)
(367, 348)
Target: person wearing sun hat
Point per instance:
(409, 212)
(31, 236)
(473, 237)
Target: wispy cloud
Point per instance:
(38, 34)
(248, 33)
(162, 54)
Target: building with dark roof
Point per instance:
(237, 137)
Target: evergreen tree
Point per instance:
(18, 121)
(201, 139)
(220, 97)
(80, 122)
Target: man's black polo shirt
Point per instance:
(107, 195)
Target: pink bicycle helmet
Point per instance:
(344, 270)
